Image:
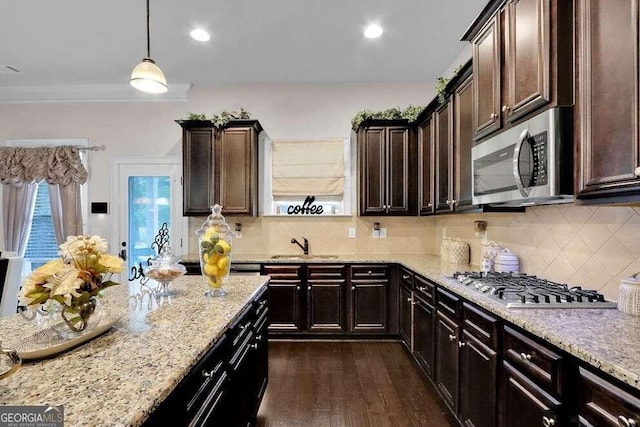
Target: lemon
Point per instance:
(214, 282)
(223, 271)
(222, 247)
(211, 270)
(211, 235)
(223, 262)
(210, 257)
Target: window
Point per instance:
(307, 177)
(42, 245)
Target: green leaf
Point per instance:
(206, 245)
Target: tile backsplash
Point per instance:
(594, 247)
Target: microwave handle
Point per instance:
(516, 163)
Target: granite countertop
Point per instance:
(604, 338)
(120, 377)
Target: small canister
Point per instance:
(445, 249)
(459, 252)
(629, 299)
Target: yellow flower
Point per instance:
(65, 283)
(48, 269)
(112, 263)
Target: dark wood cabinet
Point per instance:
(486, 58)
(220, 166)
(478, 367)
(426, 162)
(326, 298)
(424, 316)
(447, 372)
(443, 118)
(405, 307)
(462, 144)
(368, 308)
(603, 403)
(607, 100)
(387, 170)
(522, 61)
(285, 297)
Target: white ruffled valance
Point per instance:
(55, 165)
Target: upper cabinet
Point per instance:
(462, 144)
(607, 127)
(522, 61)
(443, 118)
(387, 167)
(220, 166)
(426, 164)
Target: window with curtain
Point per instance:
(308, 177)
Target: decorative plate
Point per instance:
(47, 342)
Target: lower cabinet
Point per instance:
(604, 403)
(227, 385)
(405, 308)
(329, 299)
(447, 356)
(424, 315)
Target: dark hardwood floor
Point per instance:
(346, 384)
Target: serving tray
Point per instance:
(47, 342)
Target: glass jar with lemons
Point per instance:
(215, 242)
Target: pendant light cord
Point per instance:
(148, 37)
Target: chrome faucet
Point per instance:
(305, 247)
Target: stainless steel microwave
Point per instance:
(529, 164)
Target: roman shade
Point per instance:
(307, 168)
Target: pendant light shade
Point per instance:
(147, 76)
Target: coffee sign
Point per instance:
(307, 208)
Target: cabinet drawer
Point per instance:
(424, 288)
(370, 271)
(604, 404)
(326, 271)
(283, 272)
(241, 327)
(448, 303)
(405, 277)
(481, 325)
(539, 363)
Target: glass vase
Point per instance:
(70, 322)
(215, 240)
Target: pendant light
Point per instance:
(146, 76)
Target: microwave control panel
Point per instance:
(538, 144)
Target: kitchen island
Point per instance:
(122, 376)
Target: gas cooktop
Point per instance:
(523, 291)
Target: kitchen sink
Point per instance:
(303, 257)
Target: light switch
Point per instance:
(352, 232)
(383, 233)
(375, 234)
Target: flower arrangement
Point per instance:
(83, 270)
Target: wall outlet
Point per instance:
(237, 234)
(383, 233)
(375, 234)
(352, 232)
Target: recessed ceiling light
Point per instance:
(373, 31)
(200, 35)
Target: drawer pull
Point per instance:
(452, 337)
(297, 288)
(353, 288)
(548, 421)
(626, 422)
(409, 299)
(207, 374)
(525, 358)
(493, 116)
(258, 337)
(461, 344)
(422, 288)
(369, 272)
(405, 277)
(263, 303)
(254, 346)
(309, 288)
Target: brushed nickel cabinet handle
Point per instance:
(525, 357)
(461, 344)
(297, 288)
(430, 205)
(405, 276)
(493, 116)
(309, 288)
(452, 337)
(626, 422)
(353, 288)
(505, 108)
(548, 421)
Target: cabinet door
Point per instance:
(369, 306)
(401, 172)
(462, 143)
(444, 158)
(285, 297)
(405, 305)
(524, 404)
(528, 58)
(426, 167)
(608, 96)
(478, 377)
(423, 334)
(447, 371)
(197, 173)
(486, 78)
(372, 147)
(236, 172)
(604, 404)
(325, 306)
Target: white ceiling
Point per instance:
(92, 42)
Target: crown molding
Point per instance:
(90, 93)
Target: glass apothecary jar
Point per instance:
(164, 269)
(215, 240)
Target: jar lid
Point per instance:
(632, 280)
(215, 220)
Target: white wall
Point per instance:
(148, 128)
